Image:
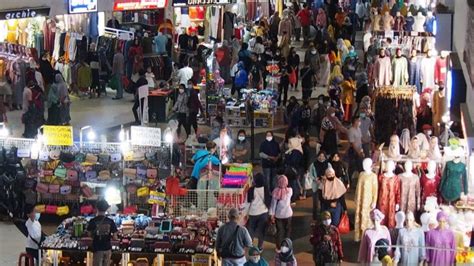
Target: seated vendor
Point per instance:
(241, 150)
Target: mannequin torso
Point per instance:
(419, 23)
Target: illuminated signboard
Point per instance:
(122, 5)
(82, 6)
(200, 2)
(24, 13)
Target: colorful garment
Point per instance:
(441, 239)
(410, 238)
(454, 181)
(382, 71)
(389, 196)
(400, 71)
(326, 251)
(366, 197)
(429, 187)
(440, 70)
(410, 193)
(367, 246)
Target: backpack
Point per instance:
(228, 247)
(102, 230)
(241, 78)
(326, 252)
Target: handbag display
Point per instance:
(60, 172)
(80, 157)
(54, 189)
(131, 188)
(87, 191)
(131, 209)
(72, 175)
(130, 173)
(91, 175)
(344, 225)
(115, 157)
(66, 157)
(152, 173)
(104, 159)
(62, 210)
(23, 153)
(43, 156)
(51, 209)
(40, 208)
(86, 209)
(143, 192)
(104, 175)
(91, 159)
(42, 188)
(141, 172)
(65, 189)
(138, 156)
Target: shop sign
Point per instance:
(57, 135)
(24, 13)
(123, 5)
(82, 6)
(146, 136)
(200, 2)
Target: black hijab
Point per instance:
(288, 256)
(259, 181)
(321, 166)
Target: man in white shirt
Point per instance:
(184, 74)
(34, 233)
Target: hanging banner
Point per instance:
(24, 13)
(201, 2)
(123, 5)
(146, 136)
(58, 135)
(82, 6)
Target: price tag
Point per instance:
(58, 135)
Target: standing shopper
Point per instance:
(65, 101)
(102, 229)
(304, 16)
(34, 233)
(316, 172)
(181, 108)
(280, 210)
(194, 108)
(307, 81)
(53, 103)
(270, 154)
(294, 62)
(355, 154)
(118, 70)
(258, 201)
(201, 159)
(232, 240)
(326, 241)
(285, 257)
(333, 191)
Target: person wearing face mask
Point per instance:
(181, 108)
(34, 232)
(286, 257)
(330, 126)
(307, 80)
(294, 63)
(332, 200)
(241, 150)
(316, 172)
(367, 131)
(326, 241)
(255, 259)
(270, 154)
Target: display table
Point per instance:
(235, 116)
(160, 105)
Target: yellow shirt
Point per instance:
(348, 88)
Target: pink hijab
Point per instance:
(282, 190)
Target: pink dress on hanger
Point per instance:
(367, 245)
(440, 70)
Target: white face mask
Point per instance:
(269, 138)
(327, 222)
(181, 90)
(429, 132)
(285, 249)
(333, 114)
(320, 101)
(241, 138)
(255, 259)
(313, 52)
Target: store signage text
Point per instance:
(82, 6)
(146, 136)
(200, 2)
(122, 5)
(58, 135)
(24, 13)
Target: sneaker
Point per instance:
(293, 204)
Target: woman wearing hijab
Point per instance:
(285, 257)
(46, 69)
(280, 210)
(255, 259)
(65, 102)
(53, 103)
(316, 173)
(258, 201)
(340, 169)
(332, 192)
(294, 165)
(330, 126)
(326, 241)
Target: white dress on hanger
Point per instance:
(428, 72)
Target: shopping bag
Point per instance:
(65, 190)
(62, 210)
(344, 226)
(60, 172)
(292, 76)
(271, 229)
(114, 82)
(308, 181)
(72, 175)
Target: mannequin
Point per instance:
(434, 153)
(438, 107)
(414, 152)
(394, 147)
(419, 22)
(441, 237)
(371, 236)
(415, 70)
(410, 189)
(387, 21)
(376, 21)
(399, 22)
(382, 69)
(399, 69)
(366, 198)
(428, 70)
(429, 182)
(399, 220)
(454, 180)
(428, 218)
(457, 226)
(389, 194)
(430, 23)
(440, 67)
(410, 235)
(409, 22)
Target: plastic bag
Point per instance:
(344, 225)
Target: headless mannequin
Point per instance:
(435, 153)
(430, 25)
(376, 21)
(387, 21)
(419, 22)
(409, 21)
(399, 22)
(414, 151)
(410, 199)
(394, 147)
(400, 219)
(390, 168)
(431, 170)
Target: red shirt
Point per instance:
(305, 17)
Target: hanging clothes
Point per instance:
(412, 241)
(410, 193)
(389, 196)
(415, 73)
(382, 71)
(438, 109)
(366, 197)
(429, 187)
(400, 71)
(427, 72)
(430, 24)
(454, 181)
(443, 240)
(419, 23)
(409, 23)
(399, 23)
(440, 70)
(367, 246)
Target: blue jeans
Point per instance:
(270, 180)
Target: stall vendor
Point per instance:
(201, 159)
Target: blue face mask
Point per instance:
(362, 115)
(37, 216)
